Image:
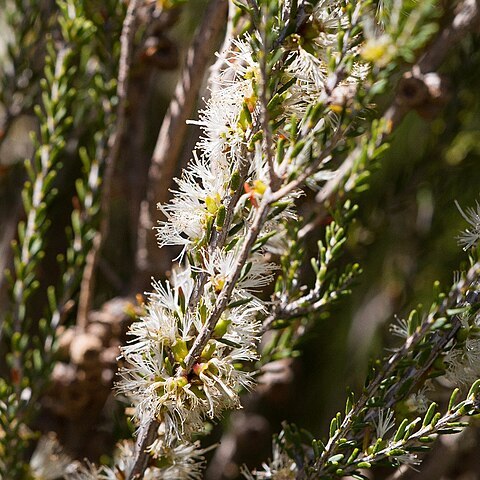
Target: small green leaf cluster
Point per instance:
(296, 306)
(66, 104)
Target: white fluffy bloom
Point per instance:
(240, 62)
(419, 401)
(470, 237)
(224, 129)
(400, 328)
(184, 461)
(463, 365)
(155, 379)
(200, 188)
(223, 136)
(281, 467)
(409, 459)
(331, 14)
(48, 461)
(384, 422)
(89, 472)
(220, 265)
(310, 71)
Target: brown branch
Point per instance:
(87, 286)
(465, 20)
(171, 139)
(145, 438)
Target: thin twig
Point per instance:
(451, 301)
(314, 302)
(87, 286)
(413, 440)
(145, 438)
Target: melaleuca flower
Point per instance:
(240, 62)
(400, 328)
(155, 379)
(463, 364)
(220, 265)
(124, 460)
(49, 461)
(281, 467)
(384, 422)
(409, 459)
(156, 391)
(470, 237)
(89, 472)
(184, 461)
(197, 200)
(310, 71)
(419, 401)
(226, 120)
(330, 16)
(224, 134)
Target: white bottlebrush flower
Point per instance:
(223, 138)
(200, 190)
(165, 322)
(331, 14)
(408, 459)
(88, 472)
(49, 461)
(224, 128)
(158, 394)
(240, 62)
(310, 71)
(184, 461)
(419, 401)
(155, 379)
(470, 237)
(463, 364)
(124, 460)
(220, 265)
(384, 422)
(281, 467)
(400, 328)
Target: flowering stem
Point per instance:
(414, 439)
(224, 297)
